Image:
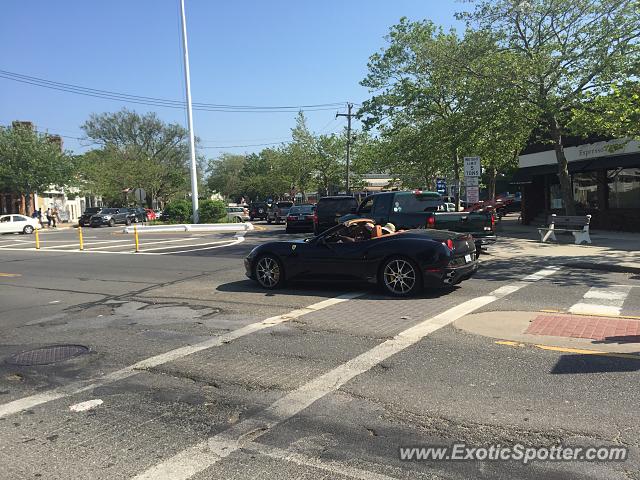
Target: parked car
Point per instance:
(137, 214)
(18, 224)
(258, 210)
(237, 214)
(401, 263)
(85, 218)
(151, 215)
(330, 209)
(278, 212)
(418, 209)
(300, 218)
(111, 217)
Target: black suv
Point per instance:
(111, 217)
(258, 210)
(330, 209)
(85, 218)
(137, 215)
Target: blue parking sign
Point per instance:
(441, 185)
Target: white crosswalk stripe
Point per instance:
(602, 301)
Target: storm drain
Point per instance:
(47, 355)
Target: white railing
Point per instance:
(194, 227)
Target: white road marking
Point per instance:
(602, 301)
(54, 301)
(84, 406)
(201, 456)
(26, 403)
(182, 246)
(75, 244)
(333, 466)
(235, 242)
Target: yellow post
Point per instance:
(37, 239)
(135, 235)
(80, 235)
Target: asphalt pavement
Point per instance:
(192, 371)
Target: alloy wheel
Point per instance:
(399, 276)
(268, 272)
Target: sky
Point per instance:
(259, 53)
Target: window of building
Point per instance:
(555, 197)
(624, 188)
(585, 190)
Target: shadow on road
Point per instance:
(573, 364)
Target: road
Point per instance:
(195, 372)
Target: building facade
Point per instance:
(605, 178)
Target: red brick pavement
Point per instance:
(580, 326)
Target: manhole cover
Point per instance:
(46, 355)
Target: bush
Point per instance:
(211, 211)
(178, 211)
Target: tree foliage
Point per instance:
(31, 162)
(136, 151)
(562, 51)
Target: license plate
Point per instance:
(467, 258)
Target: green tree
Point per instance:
(225, 175)
(562, 50)
(614, 114)
(212, 211)
(31, 162)
(430, 109)
(137, 151)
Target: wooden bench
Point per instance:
(578, 226)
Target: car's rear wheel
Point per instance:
(268, 272)
(112, 223)
(128, 221)
(237, 219)
(400, 277)
(268, 220)
(28, 229)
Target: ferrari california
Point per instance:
(402, 263)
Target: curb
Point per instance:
(606, 267)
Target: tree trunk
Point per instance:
(27, 204)
(493, 173)
(456, 174)
(563, 168)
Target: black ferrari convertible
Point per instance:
(400, 262)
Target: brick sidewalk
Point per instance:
(578, 326)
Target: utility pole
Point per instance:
(192, 141)
(348, 115)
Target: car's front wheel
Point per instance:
(112, 223)
(268, 272)
(400, 277)
(28, 229)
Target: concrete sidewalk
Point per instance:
(613, 251)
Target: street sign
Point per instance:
(140, 194)
(441, 185)
(472, 167)
(471, 181)
(473, 195)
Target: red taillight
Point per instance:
(315, 217)
(290, 218)
(431, 222)
(448, 243)
(493, 221)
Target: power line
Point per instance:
(160, 102)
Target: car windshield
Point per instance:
(109, 210)
(284, 204)
(92, 210)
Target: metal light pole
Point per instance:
(348, 115)
(192, 140)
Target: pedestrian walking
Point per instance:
(55, 217)
(40, 217)
(49, 215)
